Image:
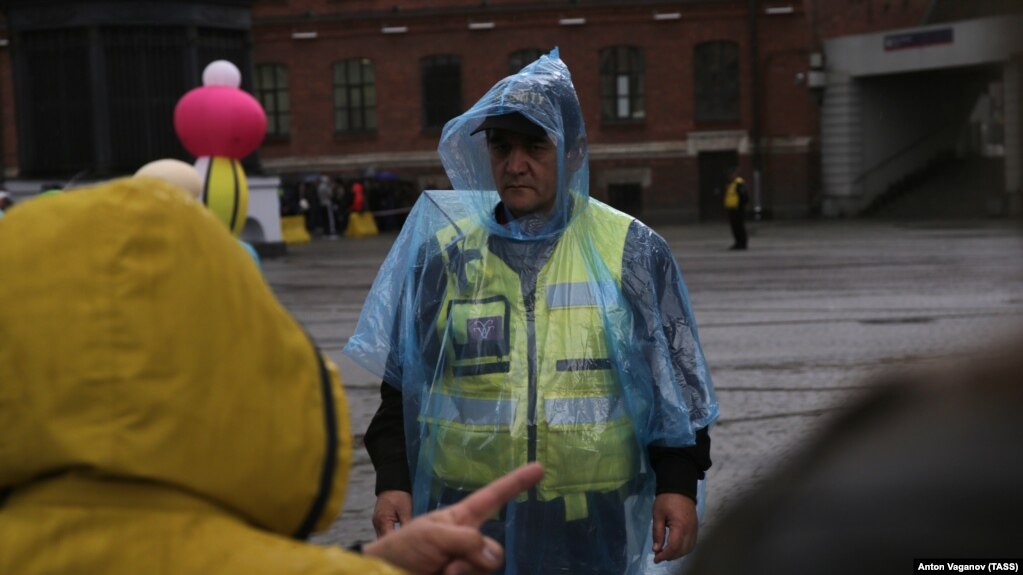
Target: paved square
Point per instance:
(792, 329)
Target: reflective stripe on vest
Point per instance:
(472, 411)
(557, 411)
(577, 410)
(578, 294)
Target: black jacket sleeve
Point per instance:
(678, 469)
(740, 188)
(385, 436)
(385, 442)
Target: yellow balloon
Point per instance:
(225, 190)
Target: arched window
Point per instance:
(355, 96)
(622, 92)
(716, 82)
(521, 58)
(272, 92)
(442, 88)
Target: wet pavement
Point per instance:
(793, 329)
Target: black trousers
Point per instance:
(737, 220)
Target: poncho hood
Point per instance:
(543, 93)
(141, 345)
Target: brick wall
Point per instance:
(845, 17)
(354, 29)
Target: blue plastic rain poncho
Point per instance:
(564, 337)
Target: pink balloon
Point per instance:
(219, 121)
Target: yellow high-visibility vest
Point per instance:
(534, 382)
(732, 194)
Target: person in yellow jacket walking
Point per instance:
(516, 319)
(163, 414)
(736, 198)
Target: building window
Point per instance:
(716, 82)
(272, 92)
(355, 96)
(626, 197)
(622, 95)
(442, 89)
(522, 58)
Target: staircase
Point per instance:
(948, 187)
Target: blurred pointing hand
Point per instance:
(448, 540)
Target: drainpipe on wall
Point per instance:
(758, 204)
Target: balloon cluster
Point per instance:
(220, 124)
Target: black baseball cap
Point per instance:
(513, 122)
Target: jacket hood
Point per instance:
(140, 342)
(543, 93)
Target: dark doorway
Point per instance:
(714, 168)
(626, 197)
(105, 105)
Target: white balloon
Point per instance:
(222, 73)
(181, 174)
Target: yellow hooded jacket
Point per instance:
(160, 412)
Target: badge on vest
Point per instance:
(479, 328)
(482, 329)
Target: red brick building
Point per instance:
(668, 91)
(673, 92)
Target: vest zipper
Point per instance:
(531, 361)
(529, 302)
(527, 262)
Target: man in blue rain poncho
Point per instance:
(516, 320)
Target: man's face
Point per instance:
(525, 171)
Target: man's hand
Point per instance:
(392, 507)
(678, 514)
(448, 540)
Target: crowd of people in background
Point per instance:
(327, 201)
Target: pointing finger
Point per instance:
(486, 501)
